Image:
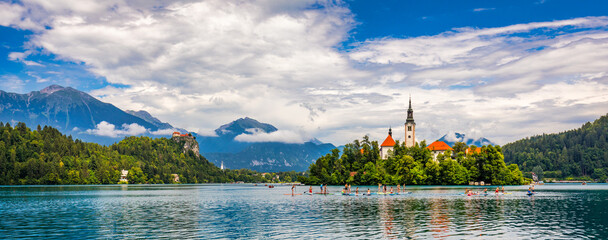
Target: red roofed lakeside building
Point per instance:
(438, 147)
(387, 145)
(471, 151)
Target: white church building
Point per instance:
(386, 148)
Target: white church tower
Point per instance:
(410, 127)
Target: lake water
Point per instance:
(247, 211)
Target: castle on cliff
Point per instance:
(190, 142)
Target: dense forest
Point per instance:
(580, 153)
(45, 156)
(360, 164)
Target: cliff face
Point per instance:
(189, 143)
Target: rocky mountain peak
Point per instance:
(242, 125)
(51, 89)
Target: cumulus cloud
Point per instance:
(257, 135)
(109, 130)
(163, 132)
(20, 57)
(199, 65)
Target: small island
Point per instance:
(366, 162)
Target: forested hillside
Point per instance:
(360, 164)
(45, 156)
(581, 152)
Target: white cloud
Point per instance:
(199, 65)
(257, 135)
(12, 83)
(482, 9)
(163, 132)
(20, 57)
(10, 13)
(109, 130)
(207, 132)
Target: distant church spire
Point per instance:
(410, 101)
(410, 113)
(410, 127)
(390, 131)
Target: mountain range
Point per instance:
(67, 109)
(260, 156)
(454, 137)
(81, 115)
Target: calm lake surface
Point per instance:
(247, 211)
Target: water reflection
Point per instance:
(244, 211)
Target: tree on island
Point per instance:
(360, 164)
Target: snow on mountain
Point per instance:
(453, 137)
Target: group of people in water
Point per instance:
(469, 192)
(381, 189)
(384, 190)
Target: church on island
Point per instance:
(386, 148)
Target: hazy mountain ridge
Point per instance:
(153, 120)
(260, 156)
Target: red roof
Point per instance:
(352, 174)
(477, 150)
(388, 142)
(362, 151)
(439, 146)
(176, 133)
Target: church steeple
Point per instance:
(410, 113)
(390, 131)
(410, 127)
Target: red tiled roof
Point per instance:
(477, 150)
(352, 174)
(439, 146)
(176, 133)
(388, 142)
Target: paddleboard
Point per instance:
(292, 194)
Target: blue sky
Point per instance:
(331, 70)
(394, 18)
